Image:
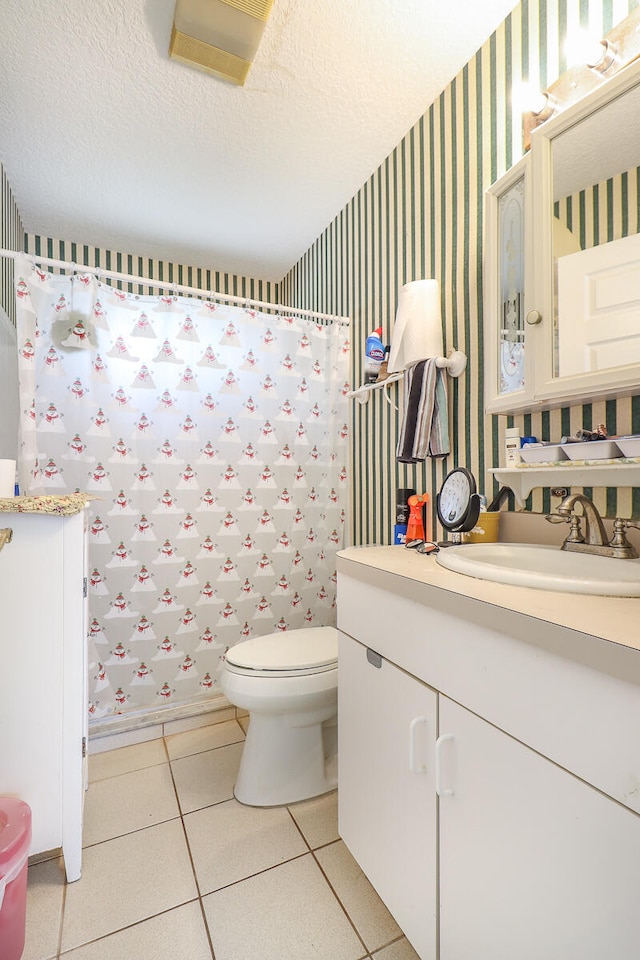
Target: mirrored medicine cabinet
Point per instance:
(562, 258)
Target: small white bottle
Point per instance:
(512, 446)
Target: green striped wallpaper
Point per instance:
(420, 215)
(11, 238)
(162, 270)
(607, 211)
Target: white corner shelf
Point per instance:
(522, 480)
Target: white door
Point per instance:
(599, 307)
(386, 797)
(534, 862)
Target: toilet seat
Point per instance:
(286, 654)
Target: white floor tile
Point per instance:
(206, 778)
(317, 819)
(112, 763)
(287, 913)
(179, 934)
(371, 918)
(45, 890)
(129, 802)
(400, 950)
(201, 720)
(114, 741)
(126, 880)
(265, 896)
(204, 738)
(230, 841)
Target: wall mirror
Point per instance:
(595, 164)
(579, 311)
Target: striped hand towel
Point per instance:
(425, 424)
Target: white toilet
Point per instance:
(288, 682)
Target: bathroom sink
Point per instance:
(544, 568)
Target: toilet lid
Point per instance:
(307, 649)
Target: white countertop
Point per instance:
(615, 619)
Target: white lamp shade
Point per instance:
(417, 334)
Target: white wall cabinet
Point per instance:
(527, 794)
(561, 261)
(387, 788)
(43, 699)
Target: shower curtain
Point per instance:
(214, 439)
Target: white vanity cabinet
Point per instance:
(43, 699)
(522, 838)
(533, 862)
(387, 788)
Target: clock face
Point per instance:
(457, 500)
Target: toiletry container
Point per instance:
(486, 529)
(7, 478)
(512, 445)
(373, 355)
(416, 526)
(402, 514)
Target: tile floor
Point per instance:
(175, 869)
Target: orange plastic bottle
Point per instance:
(415, 527)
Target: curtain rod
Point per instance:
(174, 287)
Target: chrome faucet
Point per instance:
(596, 540)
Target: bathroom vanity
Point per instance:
(43, 673)
(489, 759)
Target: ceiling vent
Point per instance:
(220, 37)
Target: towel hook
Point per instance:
(455, 364)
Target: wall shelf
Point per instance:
(455, 365)
(522, 480)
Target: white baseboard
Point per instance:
(139, 719)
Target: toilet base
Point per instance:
(282, 763)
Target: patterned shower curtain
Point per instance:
(214, 439)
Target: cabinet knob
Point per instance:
(533, 317)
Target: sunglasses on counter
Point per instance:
(422, 546)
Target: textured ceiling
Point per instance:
(107, 141)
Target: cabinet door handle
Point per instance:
(440, 790)
(414, 766)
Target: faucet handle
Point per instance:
(619, 538)
(575, 534)
(619, 527)
(624, 524)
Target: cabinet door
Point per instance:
(507, 283)
(533, 862)
(387, 801)
(42, 677)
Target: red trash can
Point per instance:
(15, 840)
